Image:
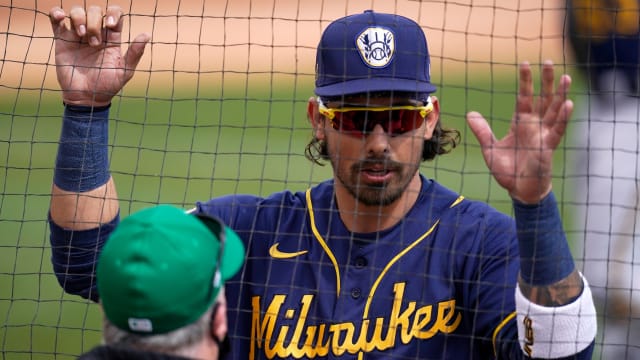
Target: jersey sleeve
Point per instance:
(74, 256)
(489, 261)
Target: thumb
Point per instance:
(134, 53)
(480, 129)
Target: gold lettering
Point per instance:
(397, 318)
(410, 322)
(420, 321)
(335, 329)
(446, 310)
(293, 348)
(263, 330)
(528, 335)
(320, 349)
(278, 346)
(376, 341)
(362, 344)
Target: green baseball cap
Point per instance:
(162, 268)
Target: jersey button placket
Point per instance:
(360, 262)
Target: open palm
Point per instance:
(521, 161)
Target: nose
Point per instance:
(377, 142)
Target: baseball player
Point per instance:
(380, 261)
(605, 39)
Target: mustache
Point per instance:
(377, 162)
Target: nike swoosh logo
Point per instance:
(275, 253)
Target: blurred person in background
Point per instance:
(604, 37)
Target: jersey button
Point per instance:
(360, 262)
(355, 293)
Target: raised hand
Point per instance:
(90, 65)
(521, 161)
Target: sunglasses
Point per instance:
(218, 229)
(359, 121)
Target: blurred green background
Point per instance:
(179, 147)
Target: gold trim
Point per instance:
(497, 330)
(458, 201)
(323, 243)
(393, 261)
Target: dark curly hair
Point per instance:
(442, 142)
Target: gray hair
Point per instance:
(177, 342)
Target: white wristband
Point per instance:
(555, 332)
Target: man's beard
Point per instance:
(381, 193)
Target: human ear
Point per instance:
(219, 320)
(432, 119)
(314, 117)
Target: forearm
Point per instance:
(84, 205)
(559, 293)
(548, 275)
(86, 210)
(83, 193)
(555, 312)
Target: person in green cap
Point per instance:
(161, 276)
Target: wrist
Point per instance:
(86, 108)
(82, 162)
(545, 257)
(530, 199)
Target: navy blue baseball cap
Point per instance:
(372, 52)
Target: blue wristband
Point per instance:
(545, 257)
(82, 163)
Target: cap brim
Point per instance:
(374, 85)
(233, 254)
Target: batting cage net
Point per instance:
(218, 106)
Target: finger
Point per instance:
(134, 54)
(525, 92)
(481, 129)
(554, 110)
(546, 91)
(557, 121)
(94, 25)
(113, 17)
(56, 16)
(563, 117)
(78, 20)
(560, 124)
(113, 24)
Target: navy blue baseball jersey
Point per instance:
(438, 285)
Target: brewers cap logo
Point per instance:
(376, 46)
